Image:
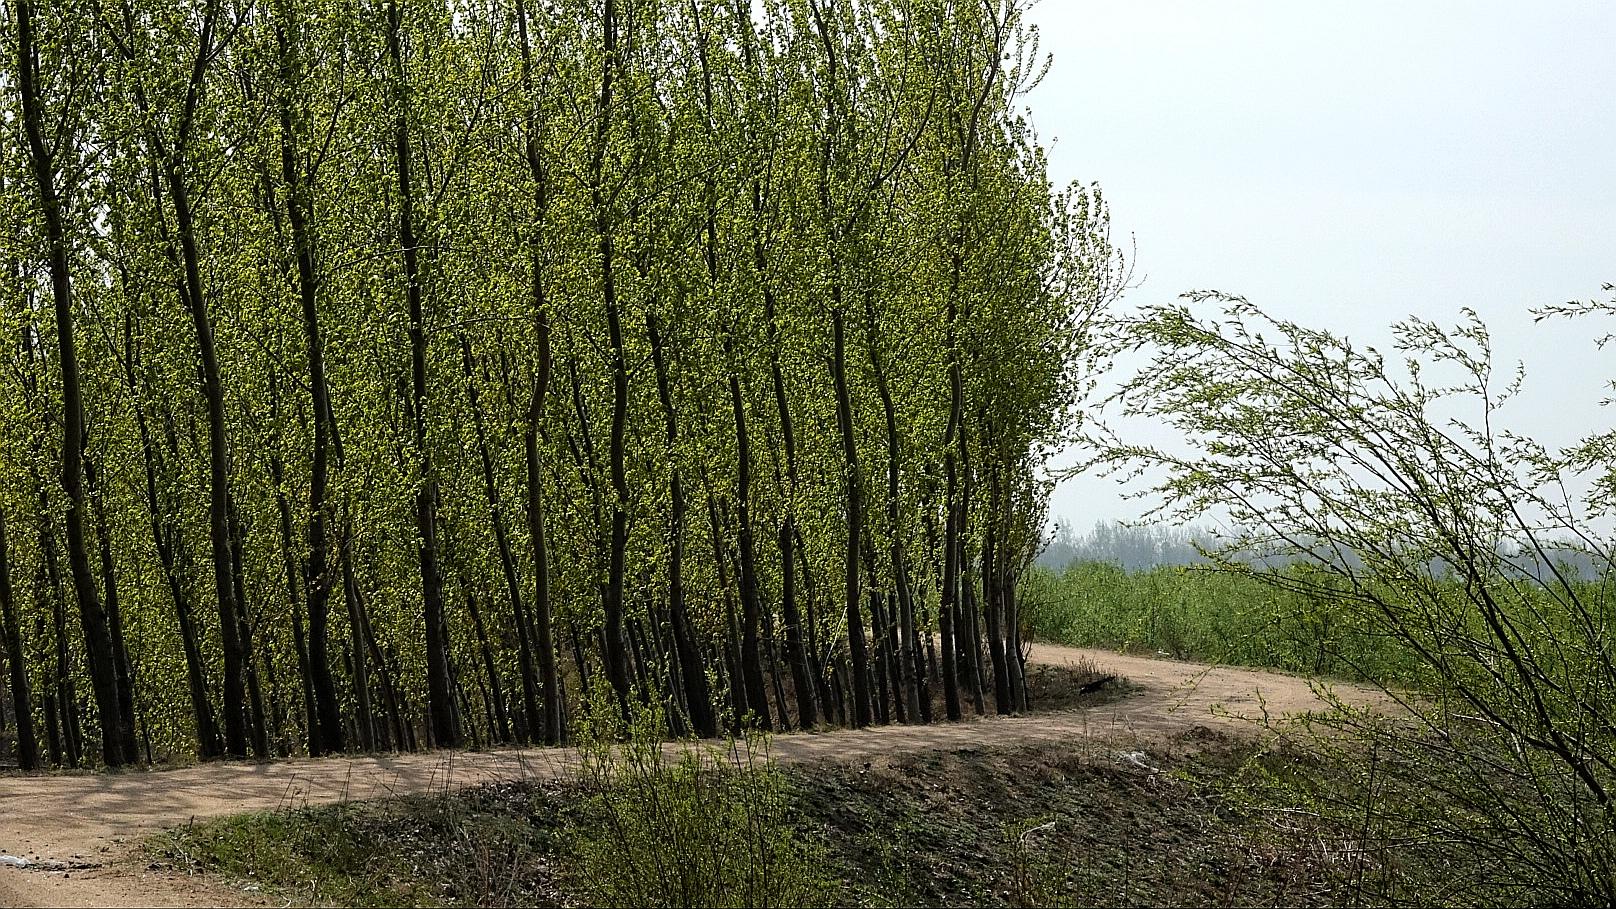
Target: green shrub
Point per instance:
(709, 827)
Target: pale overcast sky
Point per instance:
(1348, 164)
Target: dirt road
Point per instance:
(75, 830)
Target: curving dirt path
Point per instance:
(74, 828)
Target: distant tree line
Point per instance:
(1131, 546)
(383, 375)
(1140, 547)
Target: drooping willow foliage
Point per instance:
(384, 375)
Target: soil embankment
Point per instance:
(74, 829)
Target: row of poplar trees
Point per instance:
(384, 375)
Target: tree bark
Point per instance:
(224, 581)
(1018, 659)
(751, 609)
(500, 721)
(364, 714)
(92, 616)
(441, 708)
(22, 699)
(327, 734)
(507, 558)
(852, 486)
(120, 651)
(168, 539)
(1002, 700)
(949, 606)
(258, 726)
(616, 659)
(48, 589)
(968, 626)
(542, 638)
(910, 684)
(692, 672)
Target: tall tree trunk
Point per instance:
(326, 735)
(817, 655)
(640, 666)
(391, 699)
(224, 580)
(905, 677)
(22, 698)
(1018, 658)
(852, 484)
(167, 536)
(441, 707)
(670, 684)
(776, 678)
(54, 739)
(949, 610)
(1002, 701)
(949, 607)
(507, 558)
(692, 673)
(92, 616)
(310, 711)
(259, 725)
(296, 577)
(575, 637)
(880, 665)
(542, 638)
(500, 724)
(615, 659)
(740, 705)
(48, 589)
(903, 689)
(542, 643)
(120, 651)
(968, 621)
(798, 653)
(364, 715)
(751, 609)
(797, 657)
(879, 656)
(171, 159)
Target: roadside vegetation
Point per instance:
(1202, 820)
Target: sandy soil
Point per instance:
(78, 831)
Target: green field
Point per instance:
(1196, 613)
